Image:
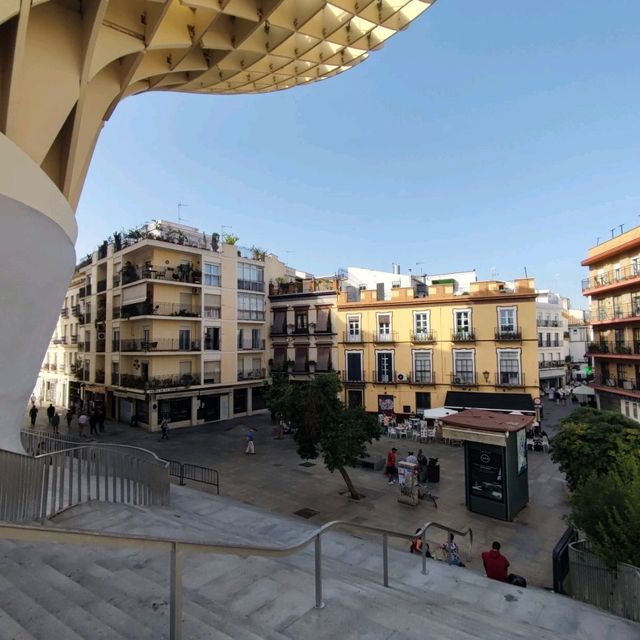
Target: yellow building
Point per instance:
(170, 324)
(407, 352)
(614, 287)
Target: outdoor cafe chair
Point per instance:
(392, 433)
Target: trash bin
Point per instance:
(433, 470)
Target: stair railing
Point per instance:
(177, 549)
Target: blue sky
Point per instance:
(494, 135)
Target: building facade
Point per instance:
(169, 323)
(405, 353)
(613, 286)
(304, 326)
(553, 339)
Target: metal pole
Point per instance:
(175, 611)
(424, 552)
(385, 559)
(319, 603)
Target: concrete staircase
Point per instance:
(71, 592)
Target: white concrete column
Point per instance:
(37, 259)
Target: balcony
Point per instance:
(167, 309)
(392, 336)
(138, 345)
(64, 312)
(99, 376)
(62, 340)
(116, 280)
(102, 286)
(74, 339)
(115, 314)
(299, 331)
(115, 379)
(509, 379)
(618, 313)
(84, 318)
(511, 334)
(322, 330)
(75, 310)
(613, 279)
(253, 346)
(352, 337)
(463, 336)
(53, 367)
(165, 382)
(86, 347)
(212, 377)
(618, 348)
(212, 313)
(252, 374)
(424, 377)
(251, 285)
(383, 377)
(278, 330)
(82, 292)
(100, 346)
(423, 336)
(551, 364)
(353, 377)
(618, 383)
(547, 323)
(250, 314)
(101, 314)
(464, 379)
(88, 290)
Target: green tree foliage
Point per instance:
(325, 427)
(607, 509)
(590, 442)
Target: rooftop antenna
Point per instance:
(222, 228)
(526, 275)
(621, 226)
(598, 240)
(612, 230)
(180, 206)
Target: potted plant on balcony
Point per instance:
(215, 242)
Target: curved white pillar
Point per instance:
(37, 259)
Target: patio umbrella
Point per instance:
(583, 390)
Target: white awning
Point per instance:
(439, 412)
(136, 293)
(583, 390)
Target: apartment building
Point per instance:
(413, 349)
(173, 323)
(553, 342)
(304, 325)
(613, 286)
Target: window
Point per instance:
(462, 323)
(301, 362)
(250, 306)
(324, 359)
(184, 339)
(212, 306)
(463, 366)
(279, 322)
(423, 401)
(635, 266)
(212, 338)
(509, 367)
(250, 277)
(115, 345)
(422, 371)
(617, 307)
(384, 327)
(239, 401)
(354, 398)
(323, 320)
(539, 339)
(354, 366)
(617, 275)
(507, 320)
(212, 274)
(635, 304)
(384, 367)
(279, 358)
(548, 340)
(353, 331)
(185, 368)
(256, 339)
(421, 323)
(301, 321)
(602, 312)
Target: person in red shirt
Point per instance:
(391, 470)
(495, 564)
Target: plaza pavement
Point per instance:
(275, 479)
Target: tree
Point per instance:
(325, 427)
(607, 509)
(592, 442)
(230, 238)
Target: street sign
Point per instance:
(537, 402)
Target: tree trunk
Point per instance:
(347, 480)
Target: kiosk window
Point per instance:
(485, 469)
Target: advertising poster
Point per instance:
(486, 474)
(522, 450)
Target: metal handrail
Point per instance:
(179, 547)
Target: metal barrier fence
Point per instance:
(178, 549)
(186, 471)
(560, 557)
(592, 581)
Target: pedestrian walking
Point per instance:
(93, 423)
(33, 414)
(69, 417)
(101, 418)
(164, 428)
(250, 446)
(82, 423)
(55, 423)
(391, 469)
(422, 467)
(51, 411)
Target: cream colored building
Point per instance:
(169, 325)
(66, 65)
(407, 353)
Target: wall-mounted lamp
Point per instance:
(485, 375)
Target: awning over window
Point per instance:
(495, 401)
(134, 294)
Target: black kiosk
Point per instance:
(495, 460)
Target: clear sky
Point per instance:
(494, 134)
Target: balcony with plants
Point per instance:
(155, 383)
(165, 309)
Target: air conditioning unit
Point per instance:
(403, 377)
(101, 336)
(457, 380)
